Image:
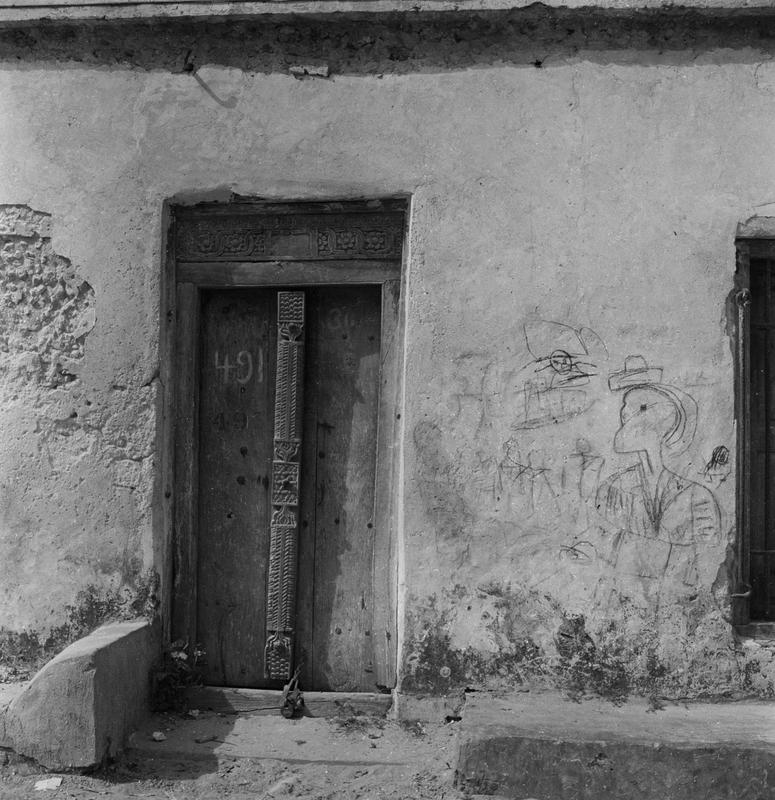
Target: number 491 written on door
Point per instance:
(242, 369)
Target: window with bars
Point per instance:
(755, 415)
(761, 537)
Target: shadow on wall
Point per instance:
(536, 37)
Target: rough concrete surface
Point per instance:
(553, 749)
(126, 9)
(253, 755)
(80, 708)
(73, 466)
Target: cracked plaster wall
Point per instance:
(582, 208)
(77, 458)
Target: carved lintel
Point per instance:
(267, 237)
(286, 470)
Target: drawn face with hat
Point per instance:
(654, 416)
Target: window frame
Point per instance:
(755, 239)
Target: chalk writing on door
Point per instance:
(340, 320)
(233, 421)
(242, 368)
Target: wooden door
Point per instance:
(333, 637)
(238, 340)
(335, 597)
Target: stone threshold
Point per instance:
(228, 700)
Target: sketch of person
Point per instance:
(526, 483)
(663, 521)
(580, 480)
(718, 468)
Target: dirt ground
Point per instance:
(412, 761)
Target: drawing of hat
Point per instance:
(636, 372)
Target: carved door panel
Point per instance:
(242, 510)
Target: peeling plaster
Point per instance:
(70, 460)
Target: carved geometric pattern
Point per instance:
(374, 241)
(277, 657)
(284, 517)
(290, 307)
(285, 483)
(286, 449)
(290, 356)
(282, 578)
(346, 240)
(235, 242)
(286, 469)
(268, 237)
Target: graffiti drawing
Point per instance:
(466, 392)
(526, 482)
(662, 520)
(562, 365)
(580, 479)
(718, 468)
(581, 551)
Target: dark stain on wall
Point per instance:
(442, 495)
(536, 36)
(22, 653)
(583, 668)
(578, 666)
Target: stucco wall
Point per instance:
(584, 204)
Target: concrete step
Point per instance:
(347, 729)
(210, 738)
(546, 747)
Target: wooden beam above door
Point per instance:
(287, 273)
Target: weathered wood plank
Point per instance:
(305, 584)
(348, 345)
(236, 423)
(167, 374)
(384, 569)
(268, 702)
(341, 389)
(186, 464)
(286, 273)
(248, 208)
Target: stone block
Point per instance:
(427, 708)
(82, 705)
(553, 749)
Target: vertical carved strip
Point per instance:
(286, 468)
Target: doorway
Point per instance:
(339, 577)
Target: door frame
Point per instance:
(257, 244)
